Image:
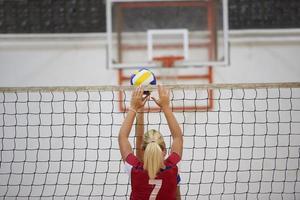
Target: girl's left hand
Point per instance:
(137, 99)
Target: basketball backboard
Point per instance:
(141, 32)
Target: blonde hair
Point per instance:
(153, 146)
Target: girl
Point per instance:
(152, 177)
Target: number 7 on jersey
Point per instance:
(158, 184)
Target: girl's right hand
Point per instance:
(164, 97)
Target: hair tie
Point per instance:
(152, 140)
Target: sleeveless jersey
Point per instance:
(163, 187)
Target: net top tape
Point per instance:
(128, 88)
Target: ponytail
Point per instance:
(153, 159)
(153, 154)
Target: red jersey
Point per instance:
(163, 187)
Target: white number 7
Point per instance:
(158, 184)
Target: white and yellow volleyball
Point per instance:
(142, 77)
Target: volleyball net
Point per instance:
(61, 143)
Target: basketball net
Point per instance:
(167, 73)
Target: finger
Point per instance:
(145, 100)
(146, 97)
(133, 93)
(141, 91)
(168, 92)
(159, 90)
(163, 91)
(137, 91)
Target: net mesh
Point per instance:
(62, 143)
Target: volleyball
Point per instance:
(143, 77)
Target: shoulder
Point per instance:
(132, 160)
(132, 163)
(173, 159)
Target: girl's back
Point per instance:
(163, 187)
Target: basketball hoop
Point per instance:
(168, 61)
(168, 74)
